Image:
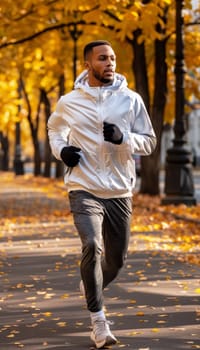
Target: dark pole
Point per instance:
(75, 34)
(179, 187)
(18, 163)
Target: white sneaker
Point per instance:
(101, 334)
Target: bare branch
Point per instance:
(33, 36)
(41, 32)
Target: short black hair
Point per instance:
(88, 48)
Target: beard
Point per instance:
(101, 78)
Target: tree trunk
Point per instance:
(59, 165)
(34, 129)
(140, 68)
(4, 152)
(47, 150)
(37, 157)
(59, 169)
(151, 164)
(149, 176)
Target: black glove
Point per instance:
(70, 155)
(112, 133)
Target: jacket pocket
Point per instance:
(126, 163)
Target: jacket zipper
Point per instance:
(102, 146)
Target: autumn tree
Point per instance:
(45, 53)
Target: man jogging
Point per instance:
(95, 130)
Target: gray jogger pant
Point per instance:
(104, 227)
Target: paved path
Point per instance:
(154, 303)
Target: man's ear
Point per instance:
(87, 65)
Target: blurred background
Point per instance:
(157, 44)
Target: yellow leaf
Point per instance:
(47, 314)
(134, 333)
(133, 301)
(155, 330)
(61, 324)
(65, 296)
(19, 345)
(140, 313)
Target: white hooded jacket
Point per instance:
(105, 169)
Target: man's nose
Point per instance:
(110, 62)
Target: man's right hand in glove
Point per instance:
(70, 155)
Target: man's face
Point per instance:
(101, 65)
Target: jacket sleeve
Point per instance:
(58, 129)
(141, 139)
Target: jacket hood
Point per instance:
(82, 83)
